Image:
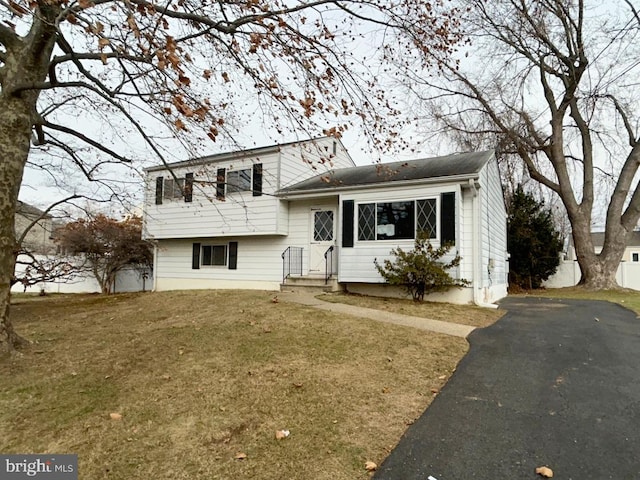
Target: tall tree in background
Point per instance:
(533, 243)
(554, 83)
(108, 246)
(79, 78)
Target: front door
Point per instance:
(322, 237)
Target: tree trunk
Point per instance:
(15, 132)
(598, 270)
(26, 62)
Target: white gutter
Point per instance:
(330, 190)
(477, 248)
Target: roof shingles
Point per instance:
(464, 164)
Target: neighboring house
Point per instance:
(38, 240)
(267, 216)
(627, 276)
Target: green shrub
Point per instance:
(420, 270)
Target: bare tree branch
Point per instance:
(634, 12)
(8, 38)
(85, 139)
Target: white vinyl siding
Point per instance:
(308, 159)
(493, 227)
(240, 213)
(259, 257)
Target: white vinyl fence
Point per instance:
(568, 275)
(127, 280)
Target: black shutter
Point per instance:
(257, 180)
(195, 261)
(220, 180)
(188, 187)
(233, 255)
(159, 184)
(347, 223)
(448, 218)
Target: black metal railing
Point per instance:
(291, 262)
(328, 264)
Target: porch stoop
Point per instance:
(310, 284)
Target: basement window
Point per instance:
(214, 255)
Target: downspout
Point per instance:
(477, 250)
(155, 265)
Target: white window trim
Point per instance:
(173, 197)
(435, 240)
(234, 189)
(212, 245)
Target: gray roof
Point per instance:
(457, 165)
(225, 156)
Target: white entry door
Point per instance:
(322, 237)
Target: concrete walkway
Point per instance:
(303, 298)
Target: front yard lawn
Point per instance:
(202, 378)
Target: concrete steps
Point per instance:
(310, 284)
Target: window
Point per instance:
(214, 255)
(173, 189)
(426, 215)
(397, 220)
(323, 226)
(635, 257)
(367, 221)
(239, 180)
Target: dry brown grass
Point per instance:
(201, 376)
(447, 312)
(625, 297)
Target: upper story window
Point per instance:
(397, 220)
(173, 189)
(244, 180)
(635, 257)
(239, 180)
(170, 189)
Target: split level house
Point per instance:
(268, 217)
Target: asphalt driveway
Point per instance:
(554, 382)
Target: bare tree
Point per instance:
(554, 83)
(79, 78)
